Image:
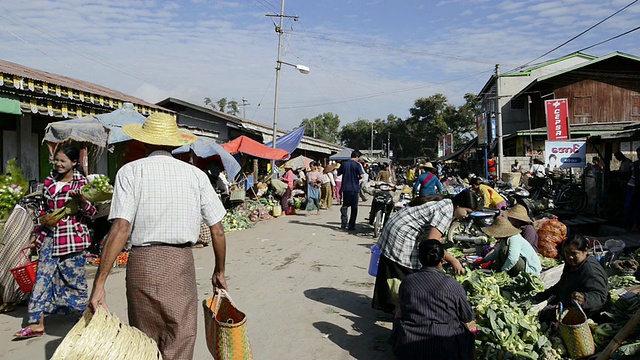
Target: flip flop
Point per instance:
(27, 333)
(5, 308)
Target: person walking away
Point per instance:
(513, 254)
(632, 198)
(61, 285)
(537, 173)
(426, 217)
(434, 312)
(411, 175)
(519, 218)
(288, 176)
(384, 175)
(158, 203)
(314, 181)
(428, 182)
(351, 172)
(490, 197)
(338, 188)
(492, 166)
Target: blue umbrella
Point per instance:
(205, 147)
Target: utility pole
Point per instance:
(314, 130)
(499, 122)
(371, 149)
(388, 143)
(245, 103)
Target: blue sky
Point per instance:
(368, 59)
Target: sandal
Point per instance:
(6, 307)
(27, 333)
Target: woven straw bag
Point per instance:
(103, 336)
(226, 329)
(575, 332)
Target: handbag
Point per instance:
(575, 332)
(599, 254)
(226, 328)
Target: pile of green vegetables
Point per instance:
(506, 327)
(247, 214)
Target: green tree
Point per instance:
(326, 126)
(229, 107)
(427, 122)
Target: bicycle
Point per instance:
(565, 194)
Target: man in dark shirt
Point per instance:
(351, 172)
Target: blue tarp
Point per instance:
(205, 147)
(290, 141)
(114, 121)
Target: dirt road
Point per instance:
(302, 282)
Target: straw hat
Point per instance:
(159, 129)
(287, 166)
(501, 228)
(427, 165)
(519, 212)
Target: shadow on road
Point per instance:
(369, 342)
(317, 224)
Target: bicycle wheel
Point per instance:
(573, 198)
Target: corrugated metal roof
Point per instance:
(7, 67)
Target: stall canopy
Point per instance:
(114, 120)
(299, 162)
(205, 147)
(81, 130)
(245, 145)
(345, 154)
(290, 141)
(454, 155)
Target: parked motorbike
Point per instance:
(537, 208)
(381, 206)
(468, 232)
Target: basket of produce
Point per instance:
(103, 336)
(98, 189)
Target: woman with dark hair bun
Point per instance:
(434, 312)
(399, 240)
(61, 285)
(583, 280)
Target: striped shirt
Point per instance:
(434, 312)
(399, 238)
(164, 199)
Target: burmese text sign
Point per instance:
(565, 154)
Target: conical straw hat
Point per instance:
(501, 228)
(159, 129)
(519, 212)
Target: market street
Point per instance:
(301, 281)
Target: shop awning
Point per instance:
(9, 105)
(205, 148)
(345, 154)
(248, 146)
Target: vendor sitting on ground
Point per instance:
(520, 219)
(433, 312)
(583, 280)
(513, 253)
(490, 197)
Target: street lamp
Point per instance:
(303, 69)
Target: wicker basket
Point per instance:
(103, 336)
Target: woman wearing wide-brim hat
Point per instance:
(519, 218)
(513, 253)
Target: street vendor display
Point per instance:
(60, 285)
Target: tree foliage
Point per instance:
(416, 136)
(327, 126)
(229, 107)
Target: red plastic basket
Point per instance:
(25, 275)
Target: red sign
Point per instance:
(557, 111)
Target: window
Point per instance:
(635, 105)
(582, 106)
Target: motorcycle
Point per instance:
(537, 208)
(467, 233)
(381, 206)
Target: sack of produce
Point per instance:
(97, 190)
(553, 231)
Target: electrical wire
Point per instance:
(580, 34)
(611, 38)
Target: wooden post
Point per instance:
(620, 337)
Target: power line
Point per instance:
(582, 33)
(611, 38)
